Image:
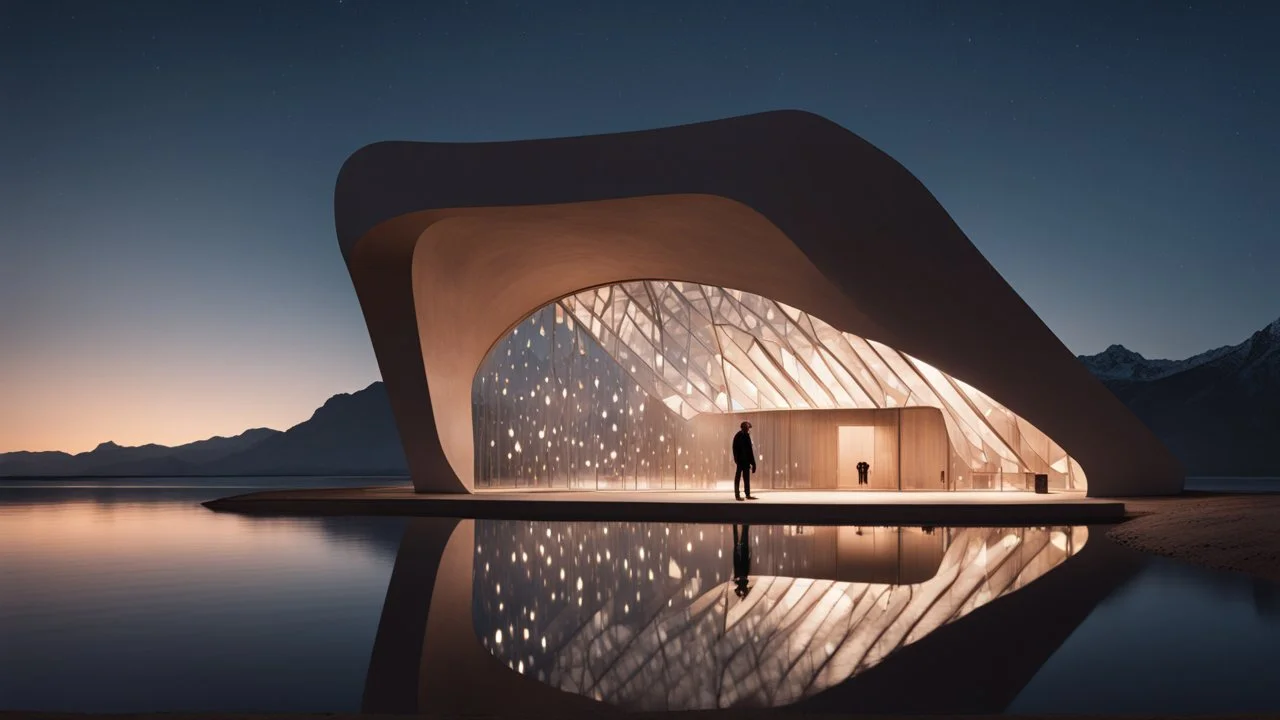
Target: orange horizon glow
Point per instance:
(76, 407)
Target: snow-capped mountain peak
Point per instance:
(1217, 411)
(1120, 363)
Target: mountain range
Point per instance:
(1218, 411)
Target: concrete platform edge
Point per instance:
(302, 503)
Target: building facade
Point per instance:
(602, 312)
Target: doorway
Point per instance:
(855, 443)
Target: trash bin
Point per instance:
(1042, 484)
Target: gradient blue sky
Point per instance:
(168, 266)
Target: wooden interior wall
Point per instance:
(884, 473)
(921, 551)
(897, 556)
(926, 450)
(800, 448)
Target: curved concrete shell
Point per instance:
(450, 245)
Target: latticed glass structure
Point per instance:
(643, 384)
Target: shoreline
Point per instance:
(1219, 531)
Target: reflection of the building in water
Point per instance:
(645, 616)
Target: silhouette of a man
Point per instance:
(744, 457)
(741, 560)
(863, 469)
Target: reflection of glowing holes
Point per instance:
(825, 602)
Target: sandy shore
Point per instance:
(1224, 532)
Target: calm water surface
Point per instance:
(120, 596)
(1249, 485)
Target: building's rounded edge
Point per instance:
(376, 169)
(359, 169)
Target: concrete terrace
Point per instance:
(773, 506)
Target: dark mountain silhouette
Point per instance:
(351, 434)
(1219, 411)
(110, 459)
(214, 448)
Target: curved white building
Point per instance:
(602, 312)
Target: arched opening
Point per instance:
(641, 385)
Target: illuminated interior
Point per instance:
(679, 617)
(642, 384)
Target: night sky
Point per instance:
(168, 264)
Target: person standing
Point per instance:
(863, 469)
(744, 457)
